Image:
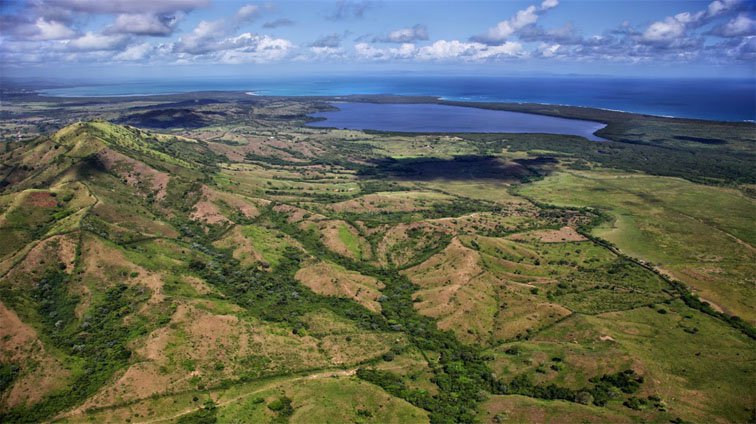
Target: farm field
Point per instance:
(248, 268)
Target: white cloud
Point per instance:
(520, 20)
(94, 42)
(549, 4)
(51, 30)
(251, 48)
(321, 53)
(667, 30)
(202, 37)
(367, 51)
(406, 35)
(441, 50)
(508, 49)
(135, 53)
(740, 26)
(673, 29)
(144, 24)
(128, 6)
(547, 50)
(248, 12)
(717, 7)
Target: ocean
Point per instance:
(710, 99)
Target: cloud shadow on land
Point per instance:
(458, 168)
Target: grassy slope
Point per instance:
(701, 235)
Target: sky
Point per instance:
(151, 38)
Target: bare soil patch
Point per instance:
(562, 235)
(41, 199)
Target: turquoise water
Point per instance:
(722, 99)
(443, 118)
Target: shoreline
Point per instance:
(382, 98)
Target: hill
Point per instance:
(279, 273)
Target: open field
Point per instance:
(700, 235)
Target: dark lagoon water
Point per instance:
(443, 118)
(713, 99)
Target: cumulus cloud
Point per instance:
(210, 40)
(367, 51)
(470, 51)
(673, 29)
(326, 53)
(739, 26)
(738, 49)
(126, 6)
(247, 13)
(522, 19)
(717, 7)
(94, 42)
(328, 40)
(135, 53)
(405, 35)
(566, 34)
(348, 9)
(282, 22)
(45, 31)
(144, 24)
(51, 30)
(441, 50)
(35, 28)
(203, 37)
(252, 48)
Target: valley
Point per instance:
(209, 257)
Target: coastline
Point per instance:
(399, 98)
(538, 108)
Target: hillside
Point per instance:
(275, 273)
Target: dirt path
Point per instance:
(314, 376)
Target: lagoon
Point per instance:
(426, 117)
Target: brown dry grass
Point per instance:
(209, 213)
(521, 409)
(332, 280)
(104, 263)
(562, 235)
(41, 373)
(456, 290)
(48, 253)
(208, 339)
(136, 173)
(478, 304)
(208, 209)
(296, 214)
(41, 199)
(394, 201)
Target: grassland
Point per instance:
(700, 235)
(218, 268)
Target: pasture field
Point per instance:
(700, 235)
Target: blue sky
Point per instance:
(152, 38)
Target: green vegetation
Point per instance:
(700, 235)
(511, 275)
(8, 373)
